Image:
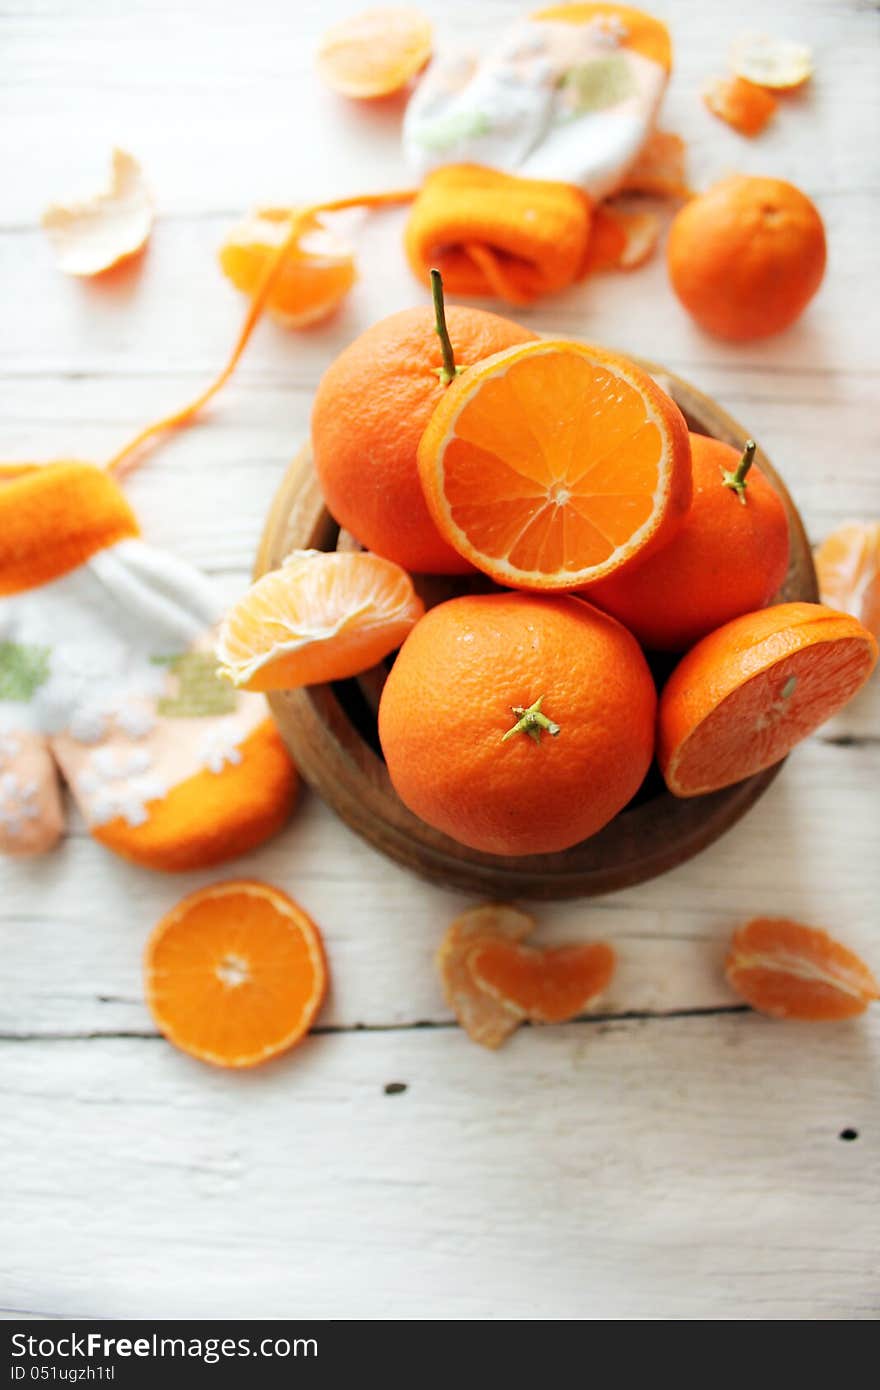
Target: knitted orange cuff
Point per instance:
(54, 517)
(497, 234)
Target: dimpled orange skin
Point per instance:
(746, 257)
(448, 703)
(722, 665)
(370, 411)
(726, 559)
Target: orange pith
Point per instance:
(235, 973)
(553, 463)
(547, 986)
(746, 694)
(791, 971)
(322, 616)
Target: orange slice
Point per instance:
(375, 53)
(848, 566)
(779, 64)
(791, 971)
(742, 698)
(317, 273)
(549, 986)
(621, 240)
(741, 104)
(89, 235)
(235, 974)
(484, 1019)
(323, 616)
(552, 464)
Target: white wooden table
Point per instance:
(679, 1158)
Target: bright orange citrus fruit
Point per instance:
(742, 698)
(552, 464)
(235, 973)
(848, 567)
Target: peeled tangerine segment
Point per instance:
(792, 971)
(375, 53)
(848, 567)
(317, 273)
(548, 986)
(769, 62)
(323, 616)
(484, 1019)
(92, 234)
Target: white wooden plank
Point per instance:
(75, 923)
(688, 1169)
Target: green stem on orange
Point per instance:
(736, 478)
(532, 722)
(448, 371)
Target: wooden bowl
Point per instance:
(331, 729)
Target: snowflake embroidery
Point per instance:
(18, 803)
(10, 747)
(220, 746)
(115, 783)
(609, 30)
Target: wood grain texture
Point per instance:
(331, 733)
(656, 1167)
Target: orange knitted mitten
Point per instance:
(107, 676)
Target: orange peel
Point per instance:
(91, 234)
(780, 64)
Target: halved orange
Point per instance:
(375, 53)
(551, 464)
(235, 973)
(323, 616)
(791, 971)
(742, 698)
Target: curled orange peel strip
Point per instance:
(126, 458)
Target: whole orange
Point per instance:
(370, 412)
(729, 556)
(746, 257)
(518, 723)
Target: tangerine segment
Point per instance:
(740, 103)
(484, 1019)
(742, 698)
(631, 28)
(792, 971)
(549, 986)
(323, 616)
(317, 273)
(235, 973)
(848, 567)
(551, 464)
(375, 53)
